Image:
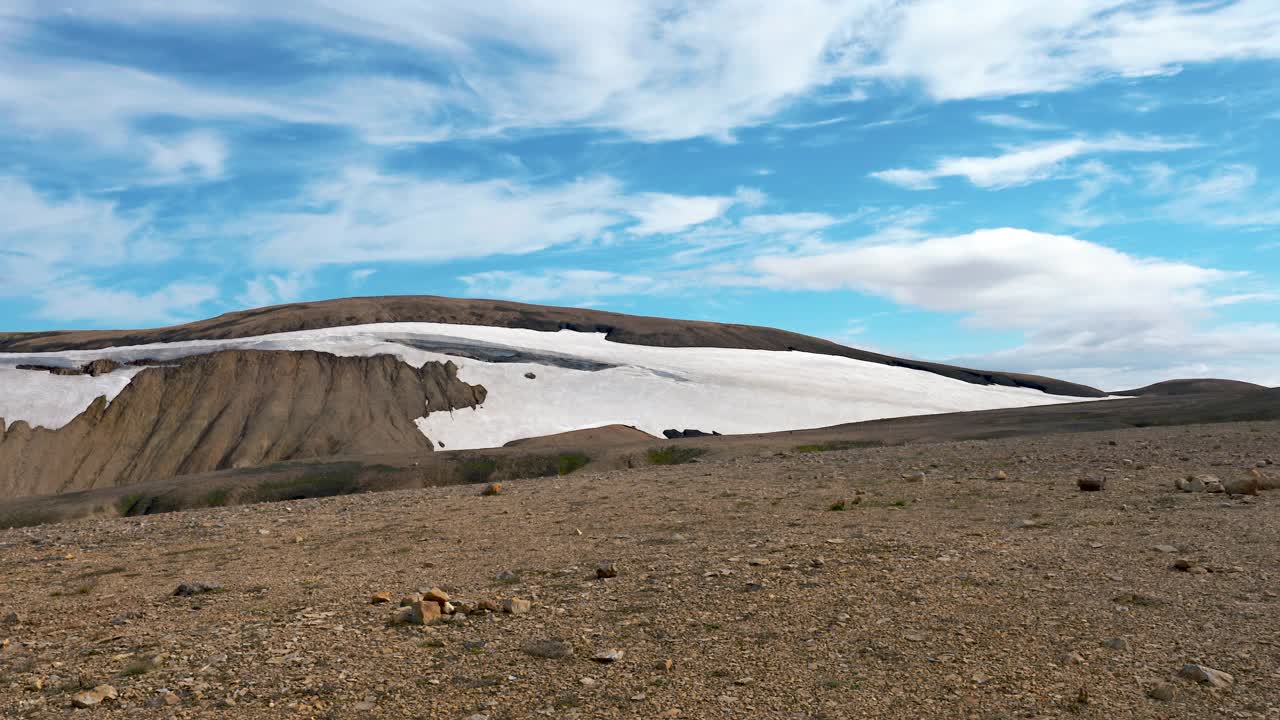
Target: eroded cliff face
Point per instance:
(233, 409)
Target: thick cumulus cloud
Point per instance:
(1081, 306)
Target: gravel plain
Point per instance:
(769, 585)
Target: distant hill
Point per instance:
(1194, 386)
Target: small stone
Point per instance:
(998, 475)
(1116, 643)
(1198, 570)
(1165, 549)
(914, 476)
(608, 656)
(1206, 675)
(492, 489)
(758, 562)
(507, 576)
(1183, 564)
(817, 562)
(90, 698)
(380, 598)
(1243, 486)
(11, 618)
(1164, 692)
(422, 612)
(550, 649)
(1071, 658)
(1093, 483)
(664, 665)
(197, 588)
(744, 681)
(516, 606)
(606, 570)
(435, 594)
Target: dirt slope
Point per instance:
(632, 329)
(230, 410)
(590, 437)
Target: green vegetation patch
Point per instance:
(675, 455)
(309, 485)
(571, 462)
(478, 470)
(142, 504)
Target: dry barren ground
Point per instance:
(740, 593)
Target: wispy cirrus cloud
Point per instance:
(1014, 122)
(579, 286)
(1023, 164)
(653, 71)
(365, 216)
(960, 50)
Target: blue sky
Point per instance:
(1080, 188)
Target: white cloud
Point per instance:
(1078, 303)
(199, 154)
(1093, 178)
(274, 289)
(653, 70)
(959, 49)
(360, 276)
(560, 285)
(1021, 165)
(786, 223)
(365, 216)
(1015, 122)
(662, 213)
(43, 238)
(80, 300)
(52, 247)
(1228, 196)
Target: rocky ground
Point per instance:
(993, 588)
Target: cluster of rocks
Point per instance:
(435, 605)
(1254, 483)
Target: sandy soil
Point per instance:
(960, 596)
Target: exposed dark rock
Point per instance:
(101, 366)
(687, 433)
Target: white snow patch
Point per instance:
(51, 401)
(653, 388)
